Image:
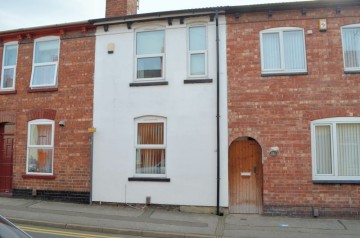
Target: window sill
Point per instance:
(283, 74)
(145, 84)
(8, 92)
(336, 181)
(195, 81)
(35, 176)
(40, 90)
(148, 179)
(352, 72)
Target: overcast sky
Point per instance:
(16, 14)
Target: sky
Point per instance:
(15, 14)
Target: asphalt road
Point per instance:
(48, 232)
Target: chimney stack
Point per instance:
(115, 8)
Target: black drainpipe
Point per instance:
(217, 116)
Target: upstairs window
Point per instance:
(40, 147)
(283, 51)
(351, 47)
(197, 51)
(150, 55)
(150, 146)
(8, 72)
(336, 149)
(45, 62)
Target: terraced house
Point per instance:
(46, 92)
(242, 109)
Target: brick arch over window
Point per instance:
(8, 117)
(41, 114)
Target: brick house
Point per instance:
(46, 108)
(294, 108)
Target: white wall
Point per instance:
(190, 110)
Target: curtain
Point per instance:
(348, 149)
(44, 74)
(323, 150)
(197, 38)
(8, 80)
(271, 50)
(150, 42)
(197, 62)
(149, 160)
(294, 51)
(46, 51)
(351, 42)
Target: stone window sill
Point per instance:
(40, 90)
(145, 84)
(34, 176)
(8, 92)
(283, 74)
(336, 181)
(148, 179)
(195, 81)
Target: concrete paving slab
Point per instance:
(262, 221)
(94, 209)
(15, 202)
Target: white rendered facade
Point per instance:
(187, 109)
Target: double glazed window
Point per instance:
(351, 47)
(40, 147)
(8, 72)
(150, 146)
(197, 51)
(283, 51)
(150, 55)
(336, 149)
(45, 62)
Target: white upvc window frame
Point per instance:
(332, 122)
(9, 66)
(40, 122)
(349, 69)
(194, 52)
(54, 80)
(150, 119)
(143, 56)
(282, 69)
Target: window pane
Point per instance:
(150, 161)
(8, 80)
(40, 160)
(197, 62)
(271, 51)
(10, 55)
(351, 39)
(323, 150)
(150, 42)
(47, 51)
(294, 50)
(40, 135)
(348, 147)
(149, 67)
(44, 75)
(150, 134)
(197, 38)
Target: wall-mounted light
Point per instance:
(274, 151)
(62, 123)
(110, 48)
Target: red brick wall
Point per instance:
(277, 110)
(72, 102)
(115, 8)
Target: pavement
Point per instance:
(160, 222)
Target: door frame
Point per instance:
(260, 186)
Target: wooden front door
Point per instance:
(245, 177)
(6, 157)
